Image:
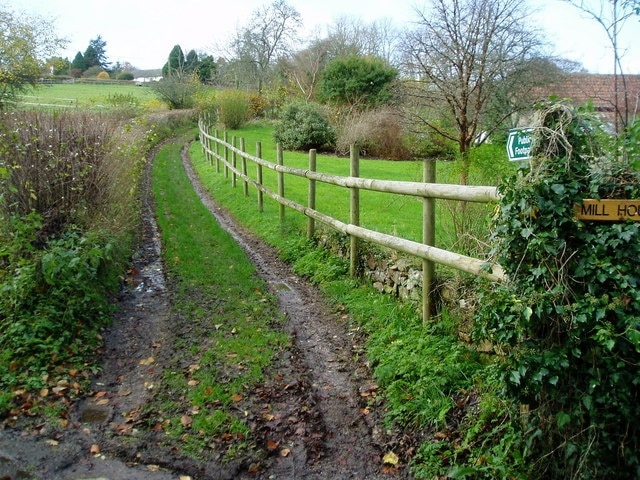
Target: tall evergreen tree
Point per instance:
(192, 62)
(95, 54)
(79, 63)
(176, 63)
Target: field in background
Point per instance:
(83, 96)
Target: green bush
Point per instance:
(178, 92)
(303, 126)
(568, 317)
(53, 302)
(125, 76)
(234, 108)
(362, 82)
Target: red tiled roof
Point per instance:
(599, 89)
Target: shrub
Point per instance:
(205, 102)
(303, 126)
(379, 134)
(103, 76)
(258, 105)
(55, 164)
(178, 92)
(233, 108)
(92, 72)
(54, 302)
(125, 105)
(125, 76)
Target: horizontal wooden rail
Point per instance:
(424, 190)
(444, 191)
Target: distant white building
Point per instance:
(143, 80)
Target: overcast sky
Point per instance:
(143, 32)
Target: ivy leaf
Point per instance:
(526, 232)
(562, 418)
(558, 188)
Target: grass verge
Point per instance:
(229, 334)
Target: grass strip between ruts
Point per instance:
(229, 334)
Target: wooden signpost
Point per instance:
(608, 210)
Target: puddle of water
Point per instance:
(94, 414)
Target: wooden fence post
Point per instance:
(280, 179)
(234, 161)
(428, 238)
(226, 155)
(217, 152)
(244, 168)
(207, 145)
(311, 197)
(259, 177)
(354, 208)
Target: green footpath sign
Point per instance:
(519, 144)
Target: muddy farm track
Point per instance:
(321, 397)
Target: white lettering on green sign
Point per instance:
(519, 144)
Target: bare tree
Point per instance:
(459, 58)
(270, 34)
(611, 15)
(305, 66)
(350, 36)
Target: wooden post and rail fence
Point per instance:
(428, 190)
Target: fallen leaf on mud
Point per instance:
(390, 459)
(184, 477)
(99, 394)
(236, 398)
(272, 445)
(153, 468)
(194, 367)
(147, 361)
(58, 390)
(124, 392)
(102, 402)
(95, 449)
(268, 416)
(44, 392)
(186, 420)
(73, 372)
(285, 452)
(52, 443)
(193, 383)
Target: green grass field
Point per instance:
(84, 95)
(387, 213)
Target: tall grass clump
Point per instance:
(68, 185)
